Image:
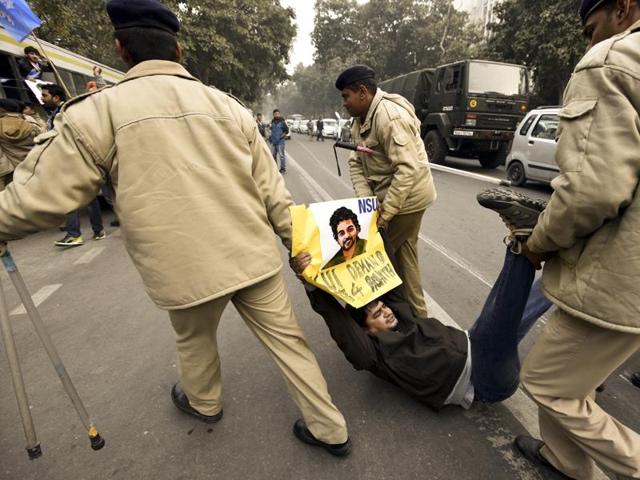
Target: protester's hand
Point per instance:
(381, 223)
(536, 259)
(300, 262)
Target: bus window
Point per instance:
(10, 87)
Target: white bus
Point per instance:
(74, 69)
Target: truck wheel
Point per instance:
(435, 146)
(492, 159)
(515, 173)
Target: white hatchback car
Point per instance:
(533, 152)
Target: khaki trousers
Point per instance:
(266, 310)
(403, 233)
(569, 360)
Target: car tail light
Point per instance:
(471, 120)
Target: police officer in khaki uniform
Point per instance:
(199, 198)
(590, 236)
(399, 175)
(16, 138)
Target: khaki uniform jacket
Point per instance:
(197, 192)
(16, 140)
(592, 221)
(400, 177)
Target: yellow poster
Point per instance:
(348, 256)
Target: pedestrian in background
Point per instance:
(262, 128)
(206, 179)
(319, 130)
(398, 175)
(589, 235)
(279, 132)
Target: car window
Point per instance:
(527, 124)
(546, 127)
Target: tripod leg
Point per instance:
(33, 447)
(97, 442)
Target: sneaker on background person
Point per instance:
(70, 241)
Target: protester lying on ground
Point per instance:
(438, 364)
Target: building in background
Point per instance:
(479, 10)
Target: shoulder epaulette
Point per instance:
(79, 98)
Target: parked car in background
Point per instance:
(330, 128)
(302, 128)
(345, 131)
(533, 152)
(296, 126)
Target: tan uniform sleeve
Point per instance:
(358, 179)
(59, 175)
(599, 157)
(275, 195)
(401, 152)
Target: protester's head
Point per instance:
(144, 30)
(603, 19)
(345, 227)
(53, 95)
(28, 108)
(358, 87)
(32, 54)
(9, 105)
(97, 71)
(276, 114)
(375, 317)
(259, 117)
(91, 86)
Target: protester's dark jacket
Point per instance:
(279, 129)
(25, 67)
(423, 357)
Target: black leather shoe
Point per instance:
(303, 434)
(181, 402)
(635, 379)
(530, 447)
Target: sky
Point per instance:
(302, 48)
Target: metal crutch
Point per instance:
(33, 447)
(97, 442)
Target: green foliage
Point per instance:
(240, 46)
(544, 35)
(392, 36)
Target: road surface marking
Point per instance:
(39, 297)
(520, 405)
(90, 255)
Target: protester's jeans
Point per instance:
(73, 219)
(512, 308)
(277, 149)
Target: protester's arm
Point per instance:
(275, 195)
(61, 173)
(358, 180)
(357, 346)
(598, 156)
(400, 147)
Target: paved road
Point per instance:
(119, 350)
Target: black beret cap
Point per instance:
(10, 105)
(354, 74)
(588, 7)
(142, 13)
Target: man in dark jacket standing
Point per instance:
(279, 131)
(319, 129)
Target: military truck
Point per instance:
(469, 109)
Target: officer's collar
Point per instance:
(157, 67)
(635, 27)
(366, 125)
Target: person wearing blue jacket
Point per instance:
(279, 130)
